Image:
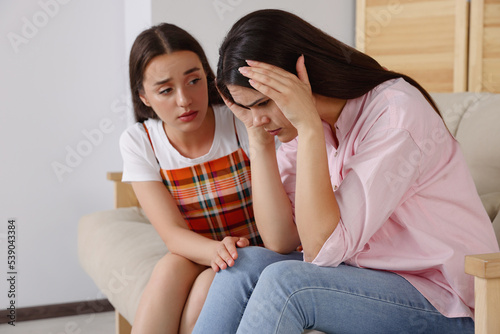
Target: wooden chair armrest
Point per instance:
(486, 271)
(483, 265)
(124, 194)
(114, 176)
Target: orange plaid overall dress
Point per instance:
(215, 197)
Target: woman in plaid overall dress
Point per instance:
(185, 158)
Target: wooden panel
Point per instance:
(124, 193)
(484, 51)
(491, 47)
(425, 39)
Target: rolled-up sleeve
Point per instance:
(378, 177)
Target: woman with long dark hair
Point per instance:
(187, 161)
(368, 181)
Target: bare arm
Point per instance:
(271, 205)
(316, 210)
(164, 215)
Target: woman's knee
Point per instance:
(284, 275)
(255, 258)
(174, 267)
(168, 263)
(287, 268)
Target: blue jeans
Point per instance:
(266, 292)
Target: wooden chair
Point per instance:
(485, 268)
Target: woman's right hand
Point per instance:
(225, 253)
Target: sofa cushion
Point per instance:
(119, 249)
(453, 107)
(474, 119)
(496, 226)
(479, 137)
(491, 203)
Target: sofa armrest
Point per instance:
(486, 271)
(124, 197)
(124, 194)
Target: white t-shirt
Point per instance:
(141, 164)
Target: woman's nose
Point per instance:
(183, 98)
(259, 119)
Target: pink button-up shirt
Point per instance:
(407, 201)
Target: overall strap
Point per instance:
(151, 142)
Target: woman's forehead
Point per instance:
(245, 96)
(167, 65)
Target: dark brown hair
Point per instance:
(158, 40)
(278, 38)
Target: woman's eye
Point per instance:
(166, 91)
(194, 81)
(263, 103)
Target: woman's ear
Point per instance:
(144, 99)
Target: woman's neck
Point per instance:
(329, 108)
(194, 144)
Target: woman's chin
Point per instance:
(286, 136)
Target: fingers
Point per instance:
(270, 80)
(257, 64)
(226, 252)
(265, 80)
(243, 242)
(214, 267)
(278, 71)
(224, 258)
(301, 70)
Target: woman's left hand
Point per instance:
(225, 252)
(291, 93)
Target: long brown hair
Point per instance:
(278, 38)
(162, 39)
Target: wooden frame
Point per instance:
(425, 39)
(485, 268)
(430, 40)
(484, 50)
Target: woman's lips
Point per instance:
(188, 116)
(274, 132)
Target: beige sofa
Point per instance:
(119, 248)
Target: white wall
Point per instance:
(63, 79)
(209, 20)
(63, 86)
